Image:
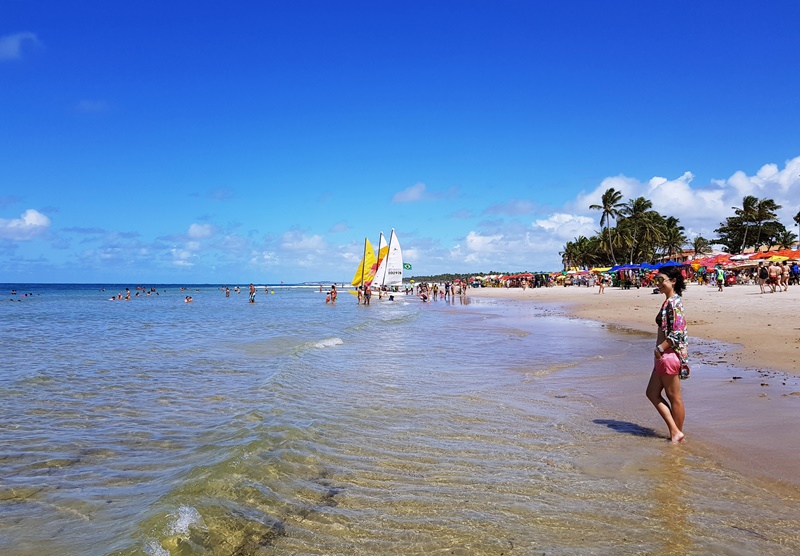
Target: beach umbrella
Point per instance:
(778, 258)
(670, 263)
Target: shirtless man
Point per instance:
(774, 277)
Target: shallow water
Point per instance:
(295, 427)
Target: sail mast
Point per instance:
(386, 266)
(363, 263)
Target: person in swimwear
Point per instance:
(252, 293)
(670, 354)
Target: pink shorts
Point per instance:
(668, 364)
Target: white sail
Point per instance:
(393, 271)
(380, 263)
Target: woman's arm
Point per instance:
(676, 333)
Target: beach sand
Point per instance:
(743, 398)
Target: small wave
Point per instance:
(328, 342)
(185, 517)
(153, 548)
(177, 526)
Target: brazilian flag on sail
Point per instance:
(407, 266)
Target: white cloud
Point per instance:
(566, 226)
(234, 243)
(629, 188)
(701, 208)
(412, 255)
(410, 194)
(11, 45)
(29, 225)
(200, 231)
(513, 248)
(182, 257)
(477, 243)
(295, 240)
(264, 258)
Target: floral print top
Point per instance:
(673, 324)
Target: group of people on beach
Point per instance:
(776, 277)
(331, 296)
(443, 292)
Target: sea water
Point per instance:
(292, 426)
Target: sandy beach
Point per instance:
(742, 411)
(762, 327)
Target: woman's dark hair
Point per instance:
(674, 273)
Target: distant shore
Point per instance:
(763, 327)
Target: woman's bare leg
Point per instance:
(654, 388)
(672, 388)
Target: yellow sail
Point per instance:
(365, 272)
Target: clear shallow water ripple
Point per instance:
(291, 426)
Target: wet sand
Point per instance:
(744, 394)
(763, 327)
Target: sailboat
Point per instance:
(366, 268)
(390, 266)
(384, 270)
(383, 250)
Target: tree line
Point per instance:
(448, 277)
(641, 234)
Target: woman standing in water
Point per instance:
(670, 353)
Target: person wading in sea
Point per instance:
(670, 354)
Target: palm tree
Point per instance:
(611, 207)
(568, 255)
(786, 239)
(701, 246)
(580, 253)
(797, 218)
(673, 238)
(747, 213)
(765, 212)
(640, 219)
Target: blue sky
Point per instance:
(262, 141)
